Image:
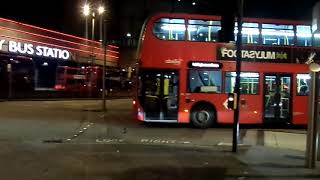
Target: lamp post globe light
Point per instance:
(90, 11)
(86, 13)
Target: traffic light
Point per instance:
(232, 101)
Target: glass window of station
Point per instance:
(170, 29)
(204, 31)
(249, 82)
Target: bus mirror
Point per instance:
(232, 101)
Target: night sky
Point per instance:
(65, 16)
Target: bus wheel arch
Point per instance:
(203, 114)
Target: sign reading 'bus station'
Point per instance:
(31, 49)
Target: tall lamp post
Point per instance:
(103, 39)
(311, 148)
(235, 134)
(86, 13)
(100, 11)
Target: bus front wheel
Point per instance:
(203, 116)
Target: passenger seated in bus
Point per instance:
(304, 90)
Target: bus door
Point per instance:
(158, 95)
(277, 98)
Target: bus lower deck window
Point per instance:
(204, 81)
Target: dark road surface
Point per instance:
(72, 140)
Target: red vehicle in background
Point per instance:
(82, 80)
(185, 73)
(70, 79)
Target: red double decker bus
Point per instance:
(70, 79)
(185, 73)
(82, 80)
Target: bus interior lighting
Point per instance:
(248, 75)
(177, 27)
(248, 31)
(173, 27)
(317, 35)
(270, 32)
(276, 33)
(304, 35)
(303, 76)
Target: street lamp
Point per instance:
(103, 40)
(101, 13)
(86, 13)
(100, 9)
(91, 10)
(86, 9)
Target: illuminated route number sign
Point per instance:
(211, 65)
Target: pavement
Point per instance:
(74, 140)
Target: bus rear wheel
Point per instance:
(203, 116)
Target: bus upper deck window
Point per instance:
(304, 35)
(170, 29)
(316, 41)
(250, 32)
(273, 34)
(204, 31)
